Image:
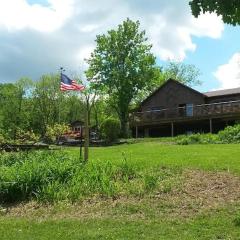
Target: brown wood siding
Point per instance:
(171, 95)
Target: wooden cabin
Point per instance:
(175, 108)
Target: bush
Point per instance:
(53, 133)
(26, 136)
(110, 129)
(22, 137)
(230, 134)
(197, 139)
(2, 139)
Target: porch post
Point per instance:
(146, 132)
(172, 129)
(210, 125)
(136, 135)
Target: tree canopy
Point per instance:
(187, 74)
(28, 105)
(228, 9)
(121, 66)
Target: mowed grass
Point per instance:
(217, 226)
(153, 217)
(213, 157)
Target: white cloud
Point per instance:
(63, 32)
(18, 15)
(228, 75)
(207, 25)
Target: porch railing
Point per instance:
(194, 111)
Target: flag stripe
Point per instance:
(68, 84)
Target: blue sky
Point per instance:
(211, 53)
(41, 2)
(39, 36)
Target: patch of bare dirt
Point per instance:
(211, 189)
(202, 190)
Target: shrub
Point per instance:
(2, 139)
(26, 136)
(53, 133)
(197, 139)
(110, 129)
(230, 134)
(21, 137)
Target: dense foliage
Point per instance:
(53, 133)
(34, 107)
(197, 139)
(110, 129)
(230, 134)
(228, 9)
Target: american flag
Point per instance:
(68, 84)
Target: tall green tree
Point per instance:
(24, 103)
(187, 74)
(8, 102)
(32, 106)
(14, 111)
(228, 9)
(48, 102)
(121, 66)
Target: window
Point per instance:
(189, 109)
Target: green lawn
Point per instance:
(212, 214)
(155, 153)
(217, 226)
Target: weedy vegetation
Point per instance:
(56, 176)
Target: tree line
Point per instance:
(122, 72)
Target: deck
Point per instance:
(229, 109)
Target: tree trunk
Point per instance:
(124, 125)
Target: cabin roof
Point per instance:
(223, 92)
(216, 93)
(167, 82)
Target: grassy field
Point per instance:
(220, 157)
(197, 196)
